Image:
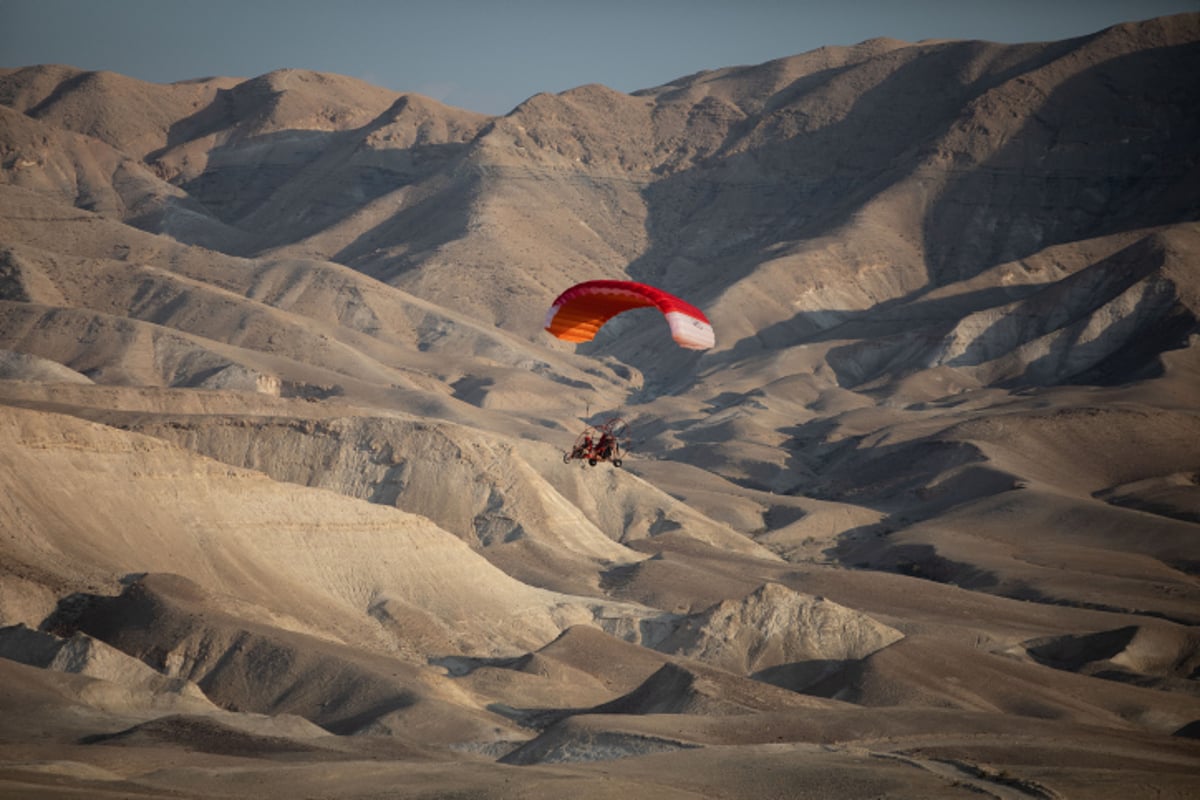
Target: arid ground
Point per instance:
(283, 505)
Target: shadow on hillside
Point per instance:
(737, 208)
(235, 184)
(891, 338)
(64, 89)
(1125, 348)
(1106, 152)
(908, 334)
(713, 224)
(1126, 351)
(1073, 653)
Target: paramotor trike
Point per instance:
(606, 442)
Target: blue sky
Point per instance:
(489, 56)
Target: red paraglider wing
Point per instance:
(582, 310)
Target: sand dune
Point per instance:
(283, 504)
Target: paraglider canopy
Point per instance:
(582, 310)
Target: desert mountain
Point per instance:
(283, 503)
